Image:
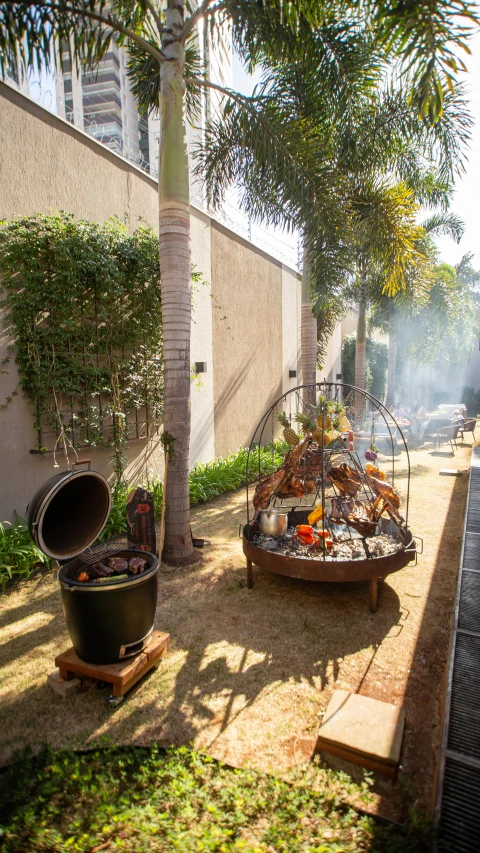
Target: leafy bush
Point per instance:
(206, 482)
(376, 365)
(82, 305)
(19, 555)
(139, 800)
(471, 399)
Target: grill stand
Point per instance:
(122, 675)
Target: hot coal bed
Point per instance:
(336, 517)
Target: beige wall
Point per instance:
(247, 331)
(47, 164)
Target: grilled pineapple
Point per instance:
(289, 434)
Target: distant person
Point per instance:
(457, 417)
(419, 425)
(399, 412)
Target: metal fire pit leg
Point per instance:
(249, 574)
(373, 595)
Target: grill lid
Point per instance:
(69, 511)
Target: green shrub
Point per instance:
(471, 399)
(19, 555)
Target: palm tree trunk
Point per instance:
(392, 370)
(361, 345)
(308, 337)
(175, 267)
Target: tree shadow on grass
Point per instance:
(231, 648)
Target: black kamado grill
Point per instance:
(106, 621)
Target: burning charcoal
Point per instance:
(118, 564)
(100, 570)
(83, 577)
(136, 565)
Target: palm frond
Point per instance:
(427, 36)
(444, 224)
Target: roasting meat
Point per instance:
(118, 564)
(100, 570)
(136, 565)
(346, 479)
(360, 516)
(387, 493)
(280, 481)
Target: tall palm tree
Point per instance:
(158, 39)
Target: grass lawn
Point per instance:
(145, 800)
(249, 673)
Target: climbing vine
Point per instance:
(82, 308)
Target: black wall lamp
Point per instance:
(200, 367)
(339, 375)
(292, 374)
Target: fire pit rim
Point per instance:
(335, 571)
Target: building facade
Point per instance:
(101, 102)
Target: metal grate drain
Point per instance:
(469, 606)
(464, 729)
(471, 553)
(458, 790)
(459, 824)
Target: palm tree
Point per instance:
(159, 41)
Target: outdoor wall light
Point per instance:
(200, 367)
(339, 375)
(292, 374)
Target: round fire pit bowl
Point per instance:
(372, 569)
(346, 520)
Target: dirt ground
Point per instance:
(249, 673)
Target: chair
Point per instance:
(468, 426)
(446, 433)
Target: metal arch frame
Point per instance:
(318, 386)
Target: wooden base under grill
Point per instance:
(122, 675)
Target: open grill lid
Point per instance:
(69, 511)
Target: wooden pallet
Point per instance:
(122, 675)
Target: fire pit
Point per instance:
(345, 519)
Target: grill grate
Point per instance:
(96, 554)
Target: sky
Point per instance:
(466, 200)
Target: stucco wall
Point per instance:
(247, 331)
(47, 164)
